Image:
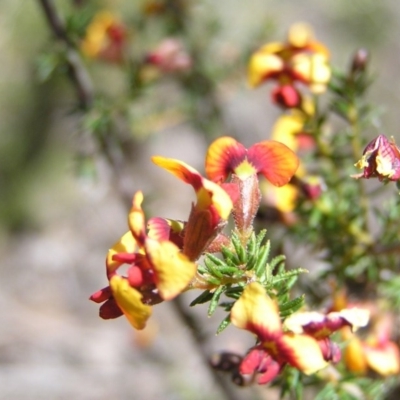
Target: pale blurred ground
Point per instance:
(52, 343)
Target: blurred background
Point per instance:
(62, 205)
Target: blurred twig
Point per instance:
(82, 82)
(77, 72)
(230, 391)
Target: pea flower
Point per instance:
(207, 217)
(157, 271)
(301, 59)
(381, 159)
(227, 157)
(105, 38)
(256, 312)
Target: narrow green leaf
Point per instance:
(224, 324)
(231, 271)
(240, 251)
(260, 237)
(215, 299)
(213, 281)
(288, 275)
(251, 246)
(227, 305)
(276, 261)
(215, 260)
(262, 258)
(230, 255)
(291, 306)
(203, 298)
(212, 268)
(202, 269)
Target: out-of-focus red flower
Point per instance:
(105, 38)
(170, 56)
(381, 159)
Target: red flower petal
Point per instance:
(101, 295)
(181, 170)
(256, 312)
(274, 160)
(110, 310)
(166, 229)
(223, 156)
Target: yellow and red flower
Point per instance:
(302, 341)
(270, 158)
(207, 217)
(227, 157)
(105, 38)
(256, 312)
(301, 59)
(381, 159)
(158, 271)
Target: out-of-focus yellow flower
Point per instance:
(289, 130)
(301, 59)
(377, 352)
(105, 38)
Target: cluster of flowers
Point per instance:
(299, 60)
(107, 39)
(162, 255)
(298, 67)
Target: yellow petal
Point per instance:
(314, 69)
(136, 218)
(385, 360)
(353, 354)
(208, 193)
(256, 312)
(300, 34)
(303, 352)
(173, 270)
(285, 129)
(282, 198)
(213, 194)
(180, 169)
(127, 244)
(262, 64)
(129, 301)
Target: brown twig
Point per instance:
(230, 391)
(77, 72)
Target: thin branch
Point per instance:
(230, 390)
(77, 72)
